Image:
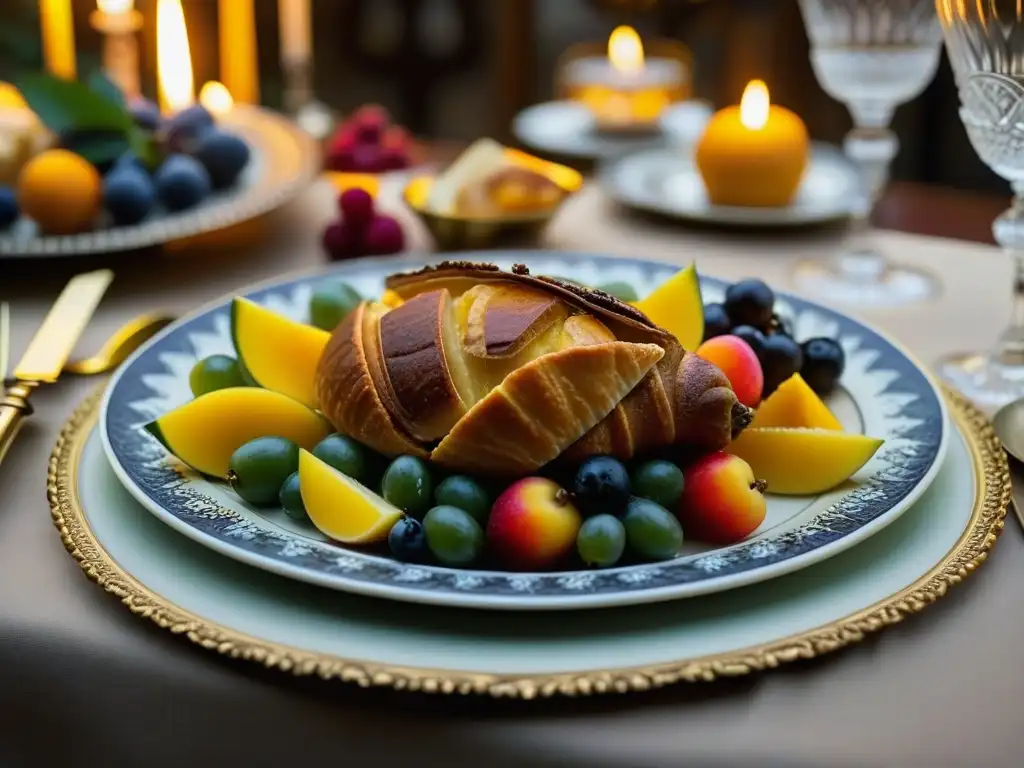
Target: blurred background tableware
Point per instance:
(666, 181)
(985, 43)
(871, 56)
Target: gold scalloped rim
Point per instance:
(970, 551)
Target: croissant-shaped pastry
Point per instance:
(500, 373)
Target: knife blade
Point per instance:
(53, 343)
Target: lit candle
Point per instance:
(754, 154)
(173, 58)
(118, 22)
(238, 64)
(58, 38)
(624, 89)
(296, 30)
(216, 98)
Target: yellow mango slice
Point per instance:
(803, 462)
(278, 352)
(676, 306)
(795, 404)
(204, 432)
(390, 299)
(341, 508)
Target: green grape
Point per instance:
(466, 494)
(215, 372)
(601, 540)
(291, 498)
(621, 291)
(660, 481)
(258, 469)
(407, 485)
(453, 536)
(330, 304)
(344, 454)
(652, 532)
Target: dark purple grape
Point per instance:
(824, 361)
(752, 336)
(716, 321)
(780, 358)
(750, 302)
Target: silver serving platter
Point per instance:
(284, 160)
(568, 128)
(666, 181)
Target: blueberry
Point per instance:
(750, 302)
(8, 207)
(408, 541)
(224, 155)
(780, 358)
(129, 160)
(182, 182)
(824, 361)
(145, 113)
(183, 129)
(601, 486)
(128, 194)
(752, 336)
(716, 321)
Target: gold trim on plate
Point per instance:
(970, 551)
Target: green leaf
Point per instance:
(145, 147)
(101, 148)
(100, 84)
(65, 105)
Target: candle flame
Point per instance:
(216, 98)
(625, 50)
(173, 59)
(754, 105)
(115, 7)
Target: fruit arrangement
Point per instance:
(369, 142)
(476, 418)
(361, 230)
(113, 162)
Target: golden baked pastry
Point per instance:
(510, 190)
(500, 373)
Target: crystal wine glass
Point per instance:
(871, 55)
(985, 42)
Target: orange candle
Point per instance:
(239, 68)
(754, 154)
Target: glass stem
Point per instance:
(872, 149)
(1008, 231)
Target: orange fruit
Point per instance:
(794, 404)
(61, 191)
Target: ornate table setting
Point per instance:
(719, 481)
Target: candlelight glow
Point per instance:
(173, 59)
(115, 7)
(216, 98)
(625, 50)
(754, 105)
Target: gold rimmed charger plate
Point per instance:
(284, 161)
(979, 454)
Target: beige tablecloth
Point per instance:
(87, 683)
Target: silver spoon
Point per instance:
(1009, 426)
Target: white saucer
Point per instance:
(568, 128)
(666, 181)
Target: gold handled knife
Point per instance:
(50, 348)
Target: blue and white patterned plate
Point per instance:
(884, 393)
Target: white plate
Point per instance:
(568, 128)
(666, 181)
(305, 630)
(884, 393)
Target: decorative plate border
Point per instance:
(969, 552)
(285, 174)
(901, 388)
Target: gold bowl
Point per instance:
(454, 232)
